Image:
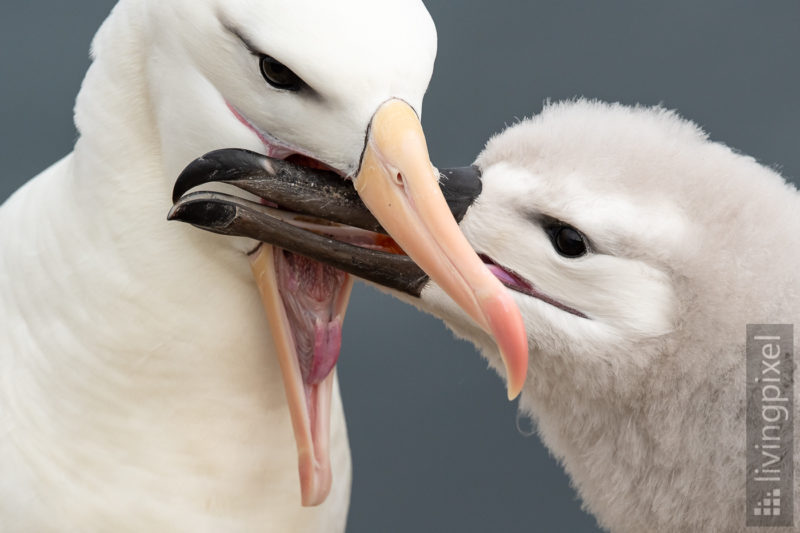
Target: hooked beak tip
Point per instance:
(202, 212)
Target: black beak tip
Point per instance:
(219, 165)
(204, 213)
(196, 173)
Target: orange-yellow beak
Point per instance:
(399, 185)
(305, 301)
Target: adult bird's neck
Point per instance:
(137, 355)
(116, 164)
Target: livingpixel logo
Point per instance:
(770, 425)
(770, 505)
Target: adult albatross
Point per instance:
(139, 388)
(638, 251)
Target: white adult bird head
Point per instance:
(292, 78)
(335, 86)
(636, 251)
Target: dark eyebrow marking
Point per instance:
(253, 49)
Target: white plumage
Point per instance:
(137, 387)
(643, 401)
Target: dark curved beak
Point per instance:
(343, 233)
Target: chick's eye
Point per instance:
(279, 75)
(568, 241)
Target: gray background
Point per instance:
(435, 445)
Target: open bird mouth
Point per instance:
(305, 303)
(305, 296)
(305, 300)
(312, 219)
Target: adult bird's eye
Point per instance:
(568, 241)
(279, 75)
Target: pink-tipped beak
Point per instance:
(399, 185)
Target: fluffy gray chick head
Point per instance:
(643, 244)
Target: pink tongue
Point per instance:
(309, 291)
(506, 277)
(501, 274)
